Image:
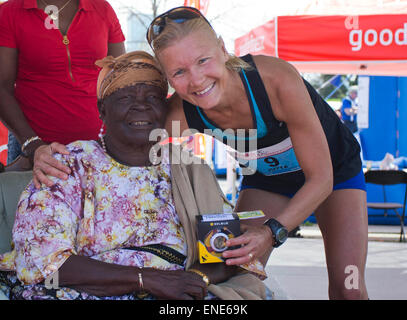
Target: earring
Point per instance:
(100, 135)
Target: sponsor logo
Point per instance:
(252, 45)
(359, 38)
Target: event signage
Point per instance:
(366, 41)
(327, 38)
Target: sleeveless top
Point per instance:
(270, 152)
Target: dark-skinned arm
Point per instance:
(106, 279)
(217, 272)
(116, 49)
(96, 277)
(11, 114)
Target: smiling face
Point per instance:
(195, 67)
(131, 113)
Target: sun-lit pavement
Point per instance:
(298, 270)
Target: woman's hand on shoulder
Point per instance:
(45, 164)
(174, 285)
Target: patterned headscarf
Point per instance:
(127, 70)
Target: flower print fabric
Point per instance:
(103, 208)
(100, 210)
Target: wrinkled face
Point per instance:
(195, 68)
(131, 113)
(353, 95)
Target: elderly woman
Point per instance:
(121, 225)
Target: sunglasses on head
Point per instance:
(178, 15)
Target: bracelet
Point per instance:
(28, 141)
(142, 294)
(205, 278)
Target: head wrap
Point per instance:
(126, 70)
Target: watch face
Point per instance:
(281, 235)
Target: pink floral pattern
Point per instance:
(102, 208)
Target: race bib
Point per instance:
(270, 161)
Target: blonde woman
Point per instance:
(307, 161)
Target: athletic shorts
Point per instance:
(357, 182)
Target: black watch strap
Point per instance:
(279, 232)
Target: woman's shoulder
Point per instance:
(85, 146)
(275, 71)
(103, 7)
(82, 150)
(282, 81)
(83, 154)
(175, 101)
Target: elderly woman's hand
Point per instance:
(174, 285)
(256, 242)
(45, 164)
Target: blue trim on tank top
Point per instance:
(261, 126)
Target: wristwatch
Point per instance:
(280, 233)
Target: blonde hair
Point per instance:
(175, 31)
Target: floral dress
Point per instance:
(103, 211)
(103, 208)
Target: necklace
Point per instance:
(153, 155)
(54, 15)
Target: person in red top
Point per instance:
(48, 78)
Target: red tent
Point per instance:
(364, 44)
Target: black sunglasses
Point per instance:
(178, 15)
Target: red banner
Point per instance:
(366, 42)
(261, 40)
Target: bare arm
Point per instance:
(217, 272)
(292, 105)
(116, 49)
(10, 112)
(310, 145)
(106, 279)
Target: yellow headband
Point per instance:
(127, 70)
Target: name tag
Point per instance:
(270, 161)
